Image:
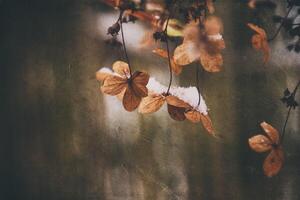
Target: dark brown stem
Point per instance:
(123, 42)
(169, 57)
(288, 113)
(281, 25)
(197, 82)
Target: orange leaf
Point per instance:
(175, 101)
(260, 143)
(193, 116)
(160, 52)
(101, 76)
(185, 53)
(113, 85)
(213, 25)
(176, 113)
(271, 132)
(151, 103)
(139, 80)
(211, 62)
(130, 100)
(210, 6)
(273, 163)
(177, 69)
(121, 68)
(207, 123)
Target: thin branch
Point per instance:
(288, 113)
(197, 82)
(281, 25)
(169, 58)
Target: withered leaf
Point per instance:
(207, 123)
(273, 163)
(176, 113)
(138, 83)
(101, 76)
(151, 103)
(210, 6)
(271, 132)
(260, 143)
(193, 116)
(161, 52)
(121, 68)
(175, 101)
(113, 85)
(259, 41)
(131, 100)
(211, 62)
(213, 25)
(185, 53)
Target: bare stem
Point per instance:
(281, 25)
(289, 112)
(197, 82)
(169, 57)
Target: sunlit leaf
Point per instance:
(101, 76)
(151, 103)
(193, 116)
(260, 143)
(271, 132)
(207, 123)
(211, 62)
(273, 163)
(186, 53)
(175, 101)
(113, 85)
(121, 68)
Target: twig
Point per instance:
(289, 112)
(281, 25)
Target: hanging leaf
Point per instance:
(175, 101)
(121, 68)
(260, 42)
(186, 53)
(176, 113)
(113, 85)
(207, 123)
(131, 100)
(260, 143)
(211, 62)
(193, 116)
(151, 103)
(271, 132)
(273, 163)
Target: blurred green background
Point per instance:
(63, 139)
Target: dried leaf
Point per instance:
(121, 94)
(193, 116)
(271, 132)
(213, 25)
(207, 123)
(160, 52)
(101, 76)
(175, 101)
(260, 143)
(121, 68)
(273, 163)
(130, 100)
(210, 6)
(177, 69)
(260, 42)
(186, 53)
(151, 103)
(138, 83)
(176, 113)
(113, 85)
(211, 62)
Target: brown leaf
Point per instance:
(210, 6)
(271, 132)
(185, 53)
(177, 69)
(121, 94)
(160, 52)
(273, 163)
(151, 103)
(193, 116)
(130, 100)
(121, 68)
(213, 25)
(101, 76)
(211, 62)
(260, 41)
(260, 143)
(113, 85)
(176, 113)
(175, 101)
(138, 83)
(207, 123)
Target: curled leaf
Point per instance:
(175, 101)
(260, 42)
(207, 123)
(151, 103)
(193, 116)
(176, 113)
(260, 143)
(271, 132)
(273, 163)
